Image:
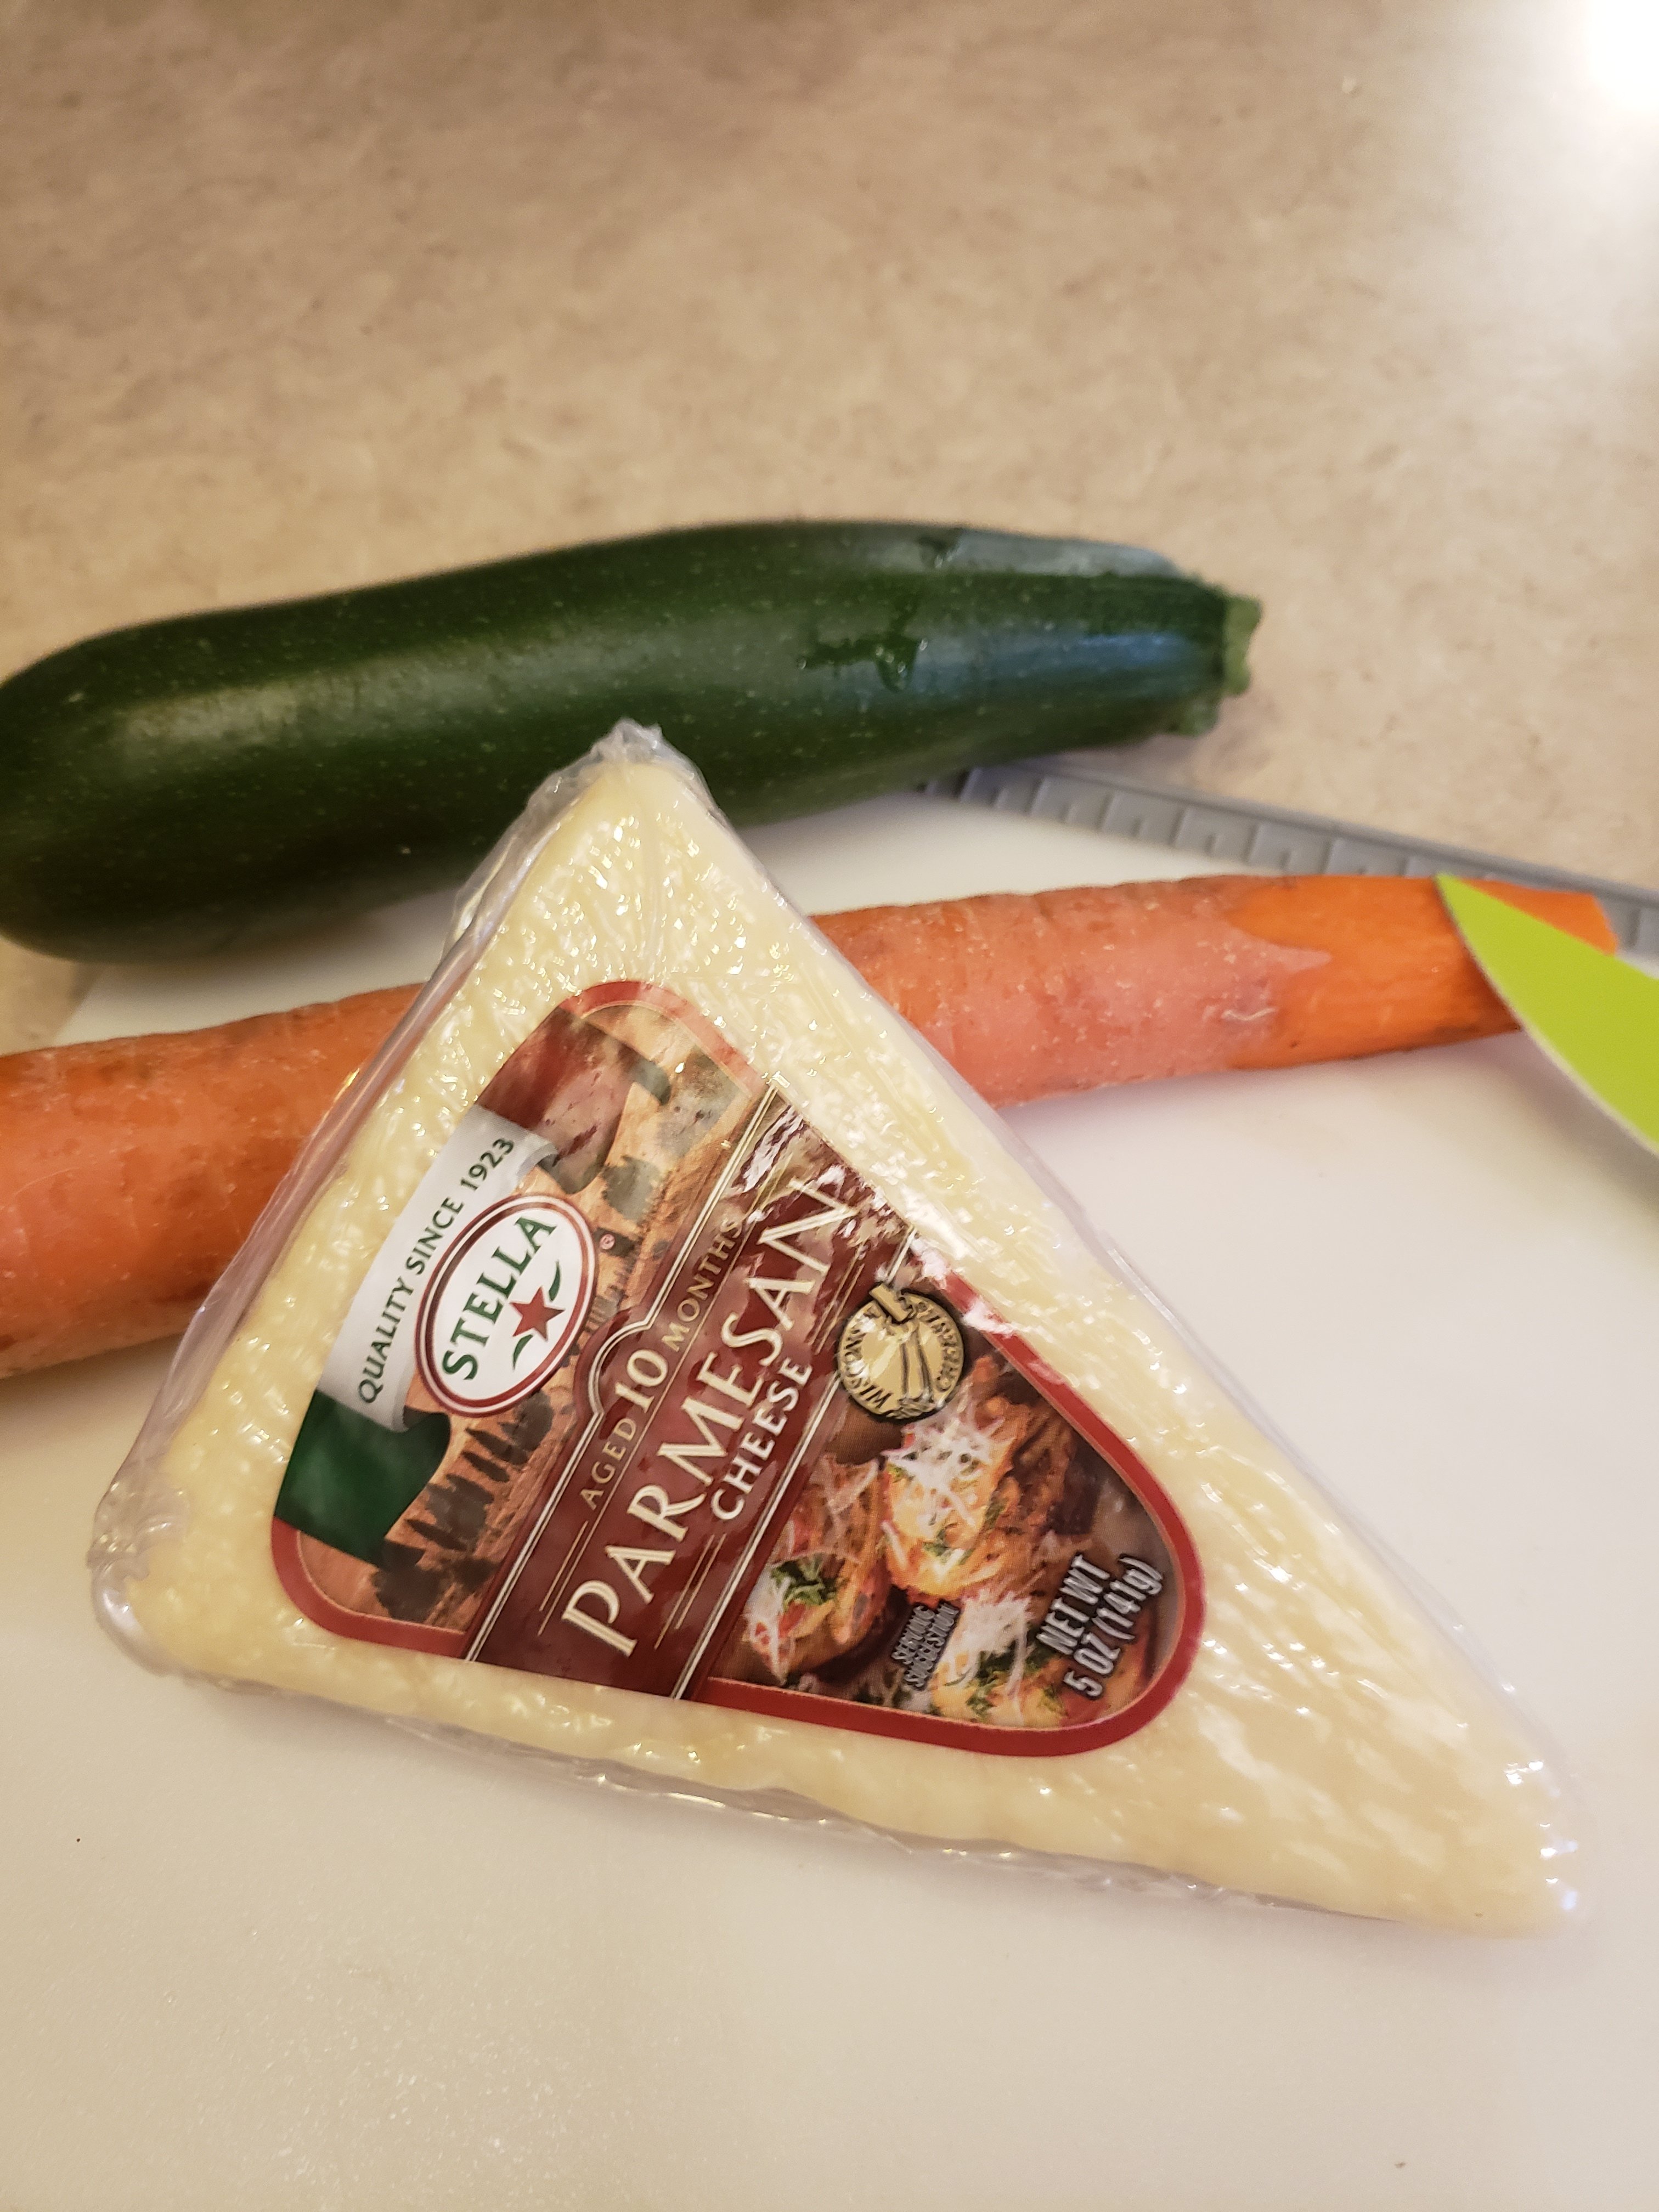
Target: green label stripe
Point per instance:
(349, 1480)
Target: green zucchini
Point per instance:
(188, 784)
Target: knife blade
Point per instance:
(1252, 835)
(1595, 1016)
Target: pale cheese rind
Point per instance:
(1330, 1745)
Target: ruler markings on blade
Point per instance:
(1253, 835)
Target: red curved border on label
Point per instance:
(719, 1047)
(362, 1627)
(985, 1737)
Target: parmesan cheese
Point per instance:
(1329, 1745)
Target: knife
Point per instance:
(1595, 1016)
(1253, 835)
(1593, 1013)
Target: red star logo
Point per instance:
(534, 1315)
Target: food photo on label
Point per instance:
(133, 1168)
(660, 1360)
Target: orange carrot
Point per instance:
(1030, 996)
(133, 1169)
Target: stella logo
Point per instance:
(506, 1304)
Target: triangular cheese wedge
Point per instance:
(664, 1361)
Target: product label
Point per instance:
(648, 1388)
(472, 1332)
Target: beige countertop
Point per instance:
(1354, 308)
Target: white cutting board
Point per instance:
(263, 1954)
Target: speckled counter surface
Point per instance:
(1355, 308)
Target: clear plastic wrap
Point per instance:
(658, 1361)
